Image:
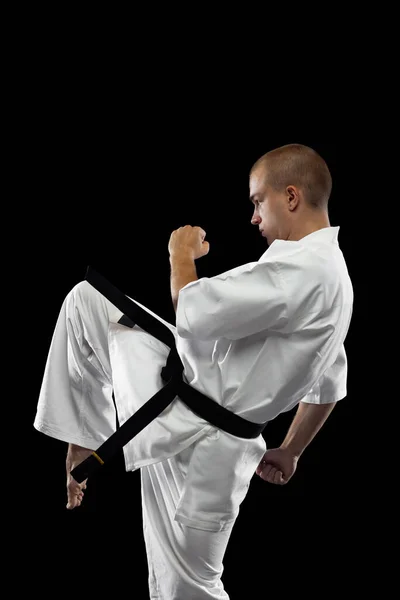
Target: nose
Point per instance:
(255, 219)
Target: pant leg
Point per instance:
(183, 562)
(75, 402)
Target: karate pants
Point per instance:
(76, 406)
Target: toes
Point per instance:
(75, 497)
(73, 503)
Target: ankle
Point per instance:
(74, 449)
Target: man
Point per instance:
(259, 339)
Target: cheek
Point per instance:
(267, 215)
(273, 211)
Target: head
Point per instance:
(290, 188)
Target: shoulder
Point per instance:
(315, 279)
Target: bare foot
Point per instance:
(75, 455)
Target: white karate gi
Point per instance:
(258, 339)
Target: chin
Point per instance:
(269, 238)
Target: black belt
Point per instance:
(199, 403)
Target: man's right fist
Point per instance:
(277, 466)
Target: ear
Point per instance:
(292, 196)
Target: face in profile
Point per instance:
(269, 207)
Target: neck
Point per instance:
(309, 226)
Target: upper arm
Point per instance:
(332, 386)
(233, 305)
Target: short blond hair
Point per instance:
(295, 164)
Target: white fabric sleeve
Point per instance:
(232, 305)
(332, 386)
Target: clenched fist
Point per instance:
(189, 240)
(277, 466)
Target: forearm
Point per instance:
(308, 420)
(183, 271)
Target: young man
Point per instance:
(258, 339)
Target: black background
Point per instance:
(115, 207)
(105, 182)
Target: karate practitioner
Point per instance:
(258, 339)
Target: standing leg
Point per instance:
(183, 562)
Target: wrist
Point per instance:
(294, 452)
(185, 256)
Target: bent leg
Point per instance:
(75, 402)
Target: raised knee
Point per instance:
(82, 288)
(83, 304)
(80, 291)
(82, 294)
